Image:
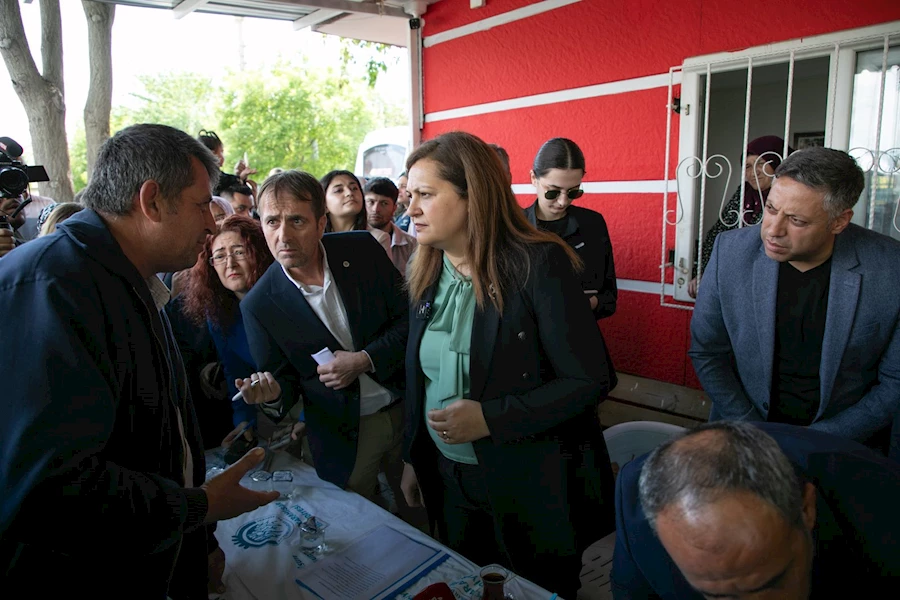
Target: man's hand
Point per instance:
(409, 484)
(229, 439)
(265, 388)
(459, 422)
(243, 171)
(215, 568)
(298, 430)
(7, 242)
(344, 369)
(227, 498)
(594, 302)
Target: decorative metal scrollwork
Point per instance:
(695, 168)
(886, 162)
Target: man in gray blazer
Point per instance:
(796, 320)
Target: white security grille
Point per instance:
(845, 86)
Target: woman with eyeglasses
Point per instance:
(502, 435)
(231, 263)
(344, 208)
(556, 174)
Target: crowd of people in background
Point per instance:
(175, 308)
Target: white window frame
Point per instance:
(841, 47)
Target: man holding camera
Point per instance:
(102, 464)
(9, 224)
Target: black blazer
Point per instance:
(856, 532)
(588, 235)
(283, 329)
(539, 370)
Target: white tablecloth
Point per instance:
(264, 558)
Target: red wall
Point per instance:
(622, 135)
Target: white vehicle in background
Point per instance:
(383, 153)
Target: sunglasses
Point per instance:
(572, 194)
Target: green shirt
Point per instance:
(444, 353)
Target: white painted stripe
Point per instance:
(491, 22)
(609, 187)
(648, 82)
(643, 287)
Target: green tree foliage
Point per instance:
(78, 154)
(187, 101)
(375, 55)
(296, 118)
(292, 116)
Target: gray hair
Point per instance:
(714, 459)
(826, 170)
(142, 153)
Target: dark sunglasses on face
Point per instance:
(572, 194)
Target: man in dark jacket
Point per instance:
(762, 510)
(102, 467)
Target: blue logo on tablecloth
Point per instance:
(268, 530)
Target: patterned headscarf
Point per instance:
(771, 146)
(45, 214)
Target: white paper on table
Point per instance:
(323, 356)
(376, 565)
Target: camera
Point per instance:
(415, 23)
(14, 174)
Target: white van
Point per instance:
(383, 153)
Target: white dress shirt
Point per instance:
(325, 301)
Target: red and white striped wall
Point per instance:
(518, 72)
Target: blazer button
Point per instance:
(765, 406)
(524, 375)
(522, 335)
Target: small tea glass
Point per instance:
(283, 483)
(493, 580)
(261, 481)
(312, 536)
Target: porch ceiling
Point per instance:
(370, 20)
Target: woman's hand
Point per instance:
(692, 287)
(258, 388)
(229, 439)
(409, 484)
(460, 422)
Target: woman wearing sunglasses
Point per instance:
(556, 174)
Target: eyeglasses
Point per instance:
(572, 194)
(220, 259)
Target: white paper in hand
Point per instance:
(323, 356)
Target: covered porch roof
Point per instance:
(383, 21)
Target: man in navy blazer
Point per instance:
(765, 510)
(339, 292)
(797, 318)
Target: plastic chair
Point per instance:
(627, 441)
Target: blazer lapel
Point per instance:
(843, 294)
(765, 294)
(290, 300)
(484, 336)
(340, 272)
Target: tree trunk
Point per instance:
(43, 97)
(99, 101)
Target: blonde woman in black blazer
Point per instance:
(530, 486)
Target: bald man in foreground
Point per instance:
(740, 510)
